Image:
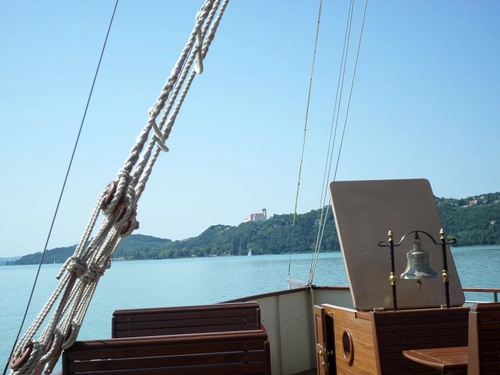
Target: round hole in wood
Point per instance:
(348, 347)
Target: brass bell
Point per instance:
(418, 266)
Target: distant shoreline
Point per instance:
(3, 261)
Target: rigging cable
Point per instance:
(332, 137)
(324, 217)
(81, 273)
(68, 170)
(305, 129)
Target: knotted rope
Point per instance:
(118, 202)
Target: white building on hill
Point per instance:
(257, 217)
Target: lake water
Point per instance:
(196, 281)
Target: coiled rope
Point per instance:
(118, 202)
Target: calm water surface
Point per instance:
(195, 281)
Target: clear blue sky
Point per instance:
(425, 105)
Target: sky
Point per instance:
(425, 104)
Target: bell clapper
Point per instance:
(419, 284)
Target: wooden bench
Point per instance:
(186, 319)
(484, 339)
(224, 353)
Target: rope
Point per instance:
(63, 185)
(324, 210)
(331, 145)
(118, 202)
(309, 91)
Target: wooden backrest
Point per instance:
(186, 319)
(484, 339)
(395, 331)
(241, 352)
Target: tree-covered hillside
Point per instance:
(472, 221)
(136, 246)
(273, 236)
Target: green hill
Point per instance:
(472, 221)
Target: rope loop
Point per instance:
(73, 334)
(53, 347)
(127, 217)
(130, 225)
(116, 194)
(125, 175)
(110, 193)
(74, 264)
(92, 275)
(118, 203)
